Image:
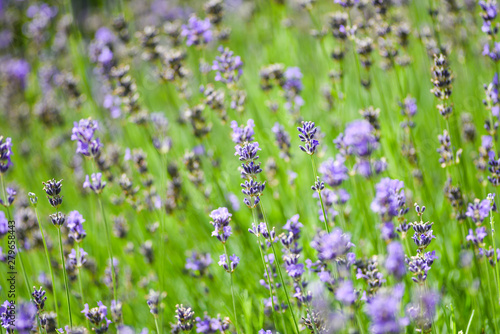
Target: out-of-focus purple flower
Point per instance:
(293, 80)
(262, 331)
(282, 140)
(209, 325)
(333, 245)
(4, 224)
(478, 238)
(197, 264)
(77, 261)
(345, 293)
(293, 225)
(389, 198)
(307, 133)
(233, 200)
(104, 35)
(5, 154)
(98, 317)
(395, 261)
(95, 182)
(228, 67)
(84, 133)
(346, 3)
(74, 222)
(384, 309)
(25, 318)
(7, 315)
(359, 138)
(478, 210)
(15, 70)
(334, 171)
(197, 31)
(11, 196)
(488, 14)
(5, 39)
(242, 134)
(422, 310)
(494, 52)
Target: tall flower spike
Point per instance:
(307, 132)
(53, 190)
(95, 182)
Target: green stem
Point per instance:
(65, 276)
(108, 243)
(79, 266)
(319, 193)
(232, 290)
(268, 275)
(311, 316)
(54, 288)
(278, 266)
(156, 324)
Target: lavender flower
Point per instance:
(26, 318)
(197, 264)
(4, 224)
(5, 154)
(228, 67)
(477, 238)
(359, 138)
(306, 135)
(11, 196)
(53, 190)
(220, 221)
(282, 140)
(197, 31)
(75, 261)
(345, 293)
(334, 171)
(384, 309)
(209, 325)
(333, 245)
(39, 298)
(389, 198)
(423, 309)
(395, 261)
(84, 132)
(231, 265)
(95, 183)
(153, 302)
(184, 318)
(97, 317)
(478, 210)
(74, 224)
(242, 134)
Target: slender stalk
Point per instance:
(319, 193)
(79, 266)
(65, 276)
(54, 288)
(156, 324)
(232, 291)
(311, 316)
(278, 266)
(110, 251)
(470, 322)
(268, 275)
(491, 294)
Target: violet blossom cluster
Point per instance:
(389, 202)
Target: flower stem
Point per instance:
(232, 291)
(108, 243)
(156, 324)
(278, 266)
(79, 267)
(54, 288)
(267, 273)
(319, 193)
(65, 276)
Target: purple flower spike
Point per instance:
(5, 154)
(84, 132)
(95, 183)
(307, 133)
(197, 31)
